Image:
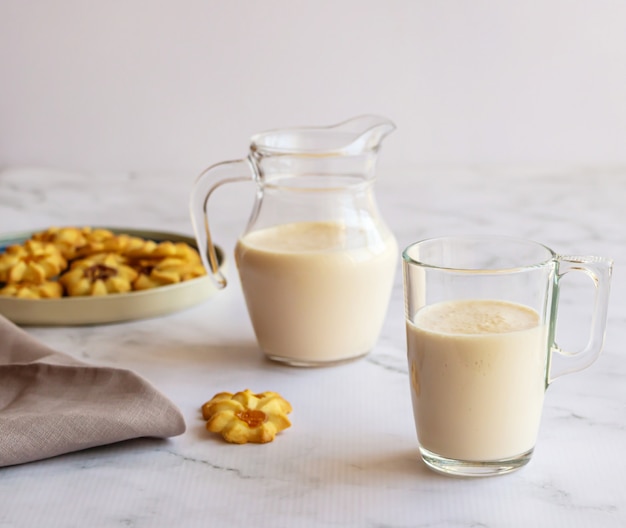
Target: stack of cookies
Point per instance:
(82, 261)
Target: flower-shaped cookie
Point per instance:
(97, 241)
(99, 274)
(165, 263)
(129, 246)
(161, 272)
(34, 261)
(247, 417)
(169, 263)
(179, 250)
(68, 240)
(28, 290)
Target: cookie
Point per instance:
(247, 417)
(28, 290)
(34, 262)
(168, 263)
(100, 274)
(68, 240)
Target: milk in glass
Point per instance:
(478, 378)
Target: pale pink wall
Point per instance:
(145, 84)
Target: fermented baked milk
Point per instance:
(478, 377)
(316, 291)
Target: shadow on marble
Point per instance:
(406, 462)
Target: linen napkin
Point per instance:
(51, 403)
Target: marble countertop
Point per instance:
(351, 456)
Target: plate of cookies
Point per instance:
(97, 275)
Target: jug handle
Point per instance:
(207, 181)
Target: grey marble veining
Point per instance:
(351, 457)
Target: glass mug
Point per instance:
(316, 261)
(480, 317)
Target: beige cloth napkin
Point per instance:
(51, 403)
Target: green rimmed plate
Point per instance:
(70, 311)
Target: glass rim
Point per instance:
(539, 263)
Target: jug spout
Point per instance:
(352, 137)
(367, 132)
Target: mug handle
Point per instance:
(599, 270)
(207, 181)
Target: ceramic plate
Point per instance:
(109, 308)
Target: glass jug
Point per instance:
(316, 261)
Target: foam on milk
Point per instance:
(478, 378)
(470, 317)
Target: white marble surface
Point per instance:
(351, 457)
